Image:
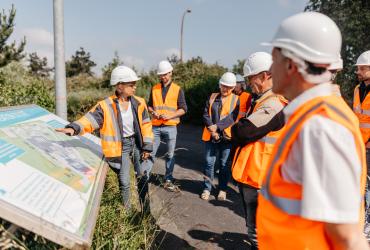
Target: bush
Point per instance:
(80, 102)
(82, 82)
(18, 87)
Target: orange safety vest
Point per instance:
(362, 111)
(250, 162)
(279, 224)
(245, 104)
(227, 108)
(169, 105)
(110, 133)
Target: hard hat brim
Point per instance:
(225, 84)
(133, 80)
(163, 73)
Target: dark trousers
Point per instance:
(249, 197)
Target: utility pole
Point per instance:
(182, 31)
(59, 62)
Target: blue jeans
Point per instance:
(166, 134)
(214, 151)
(129, 149)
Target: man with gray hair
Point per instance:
(312, 195)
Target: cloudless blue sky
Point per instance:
(144, 32)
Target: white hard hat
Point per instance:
(123, 74)
(364, 58)
(338, 65)
(311, 36)
(164, 67)
(239, 78)
(257, 63)
(228, 79)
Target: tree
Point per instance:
(238, 67)
(353, 19)
(80, 63)
(107, 69)
(9, 52)
(38, 66)
(173, 59)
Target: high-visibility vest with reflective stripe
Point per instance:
(279, 223)
(169, 106)
(228, 107)
(110, 134)
(362, 111)
(244, 104)
(250, 162)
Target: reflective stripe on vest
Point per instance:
(268, 139)
(92, 120)
(167, 106)
(279, 221)
(362, 111)
(112, 115)
(251, 161)
(290, 206)
(225, 111)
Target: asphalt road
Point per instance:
(186, 221)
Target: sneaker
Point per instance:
(221, 195)
(169, 186)
(367, 231)
(205, 195)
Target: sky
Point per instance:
(143, 32)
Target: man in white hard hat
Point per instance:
(166, 104)
(361, 107)
(334, 69)
(125, 129)
(245, 98)
(220, 113)
(254, 137)
(312, 194)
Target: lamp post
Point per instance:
(182, 31)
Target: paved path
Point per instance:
(187, 222)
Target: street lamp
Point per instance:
(182, 31)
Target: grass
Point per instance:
(115, 228)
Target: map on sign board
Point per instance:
(47, 174)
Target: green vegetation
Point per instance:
(80, 63)
(353, 19)
(18, 86)
(9, 52)
(38, 66)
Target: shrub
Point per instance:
(18, 87)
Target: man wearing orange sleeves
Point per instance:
(312, 194)
(251, 156)
(361, 107)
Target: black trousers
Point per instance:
(249, 197)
